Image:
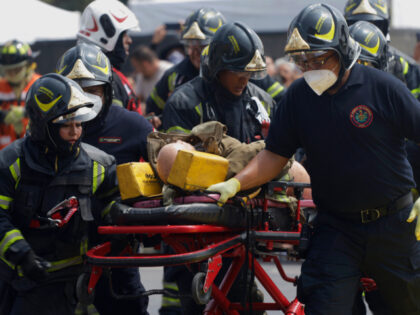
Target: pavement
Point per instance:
(152, 279)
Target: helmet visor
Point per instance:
(83, 112)
(256, 75)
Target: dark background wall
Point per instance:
(274, 43)
(51, 51)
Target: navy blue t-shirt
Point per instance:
(123, 135)
(354, 140)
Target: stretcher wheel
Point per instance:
(83, 296)
(199, 296)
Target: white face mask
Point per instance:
(320, 80)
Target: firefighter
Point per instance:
(85, 64)
(352, 122)
(42, 245)
(18, 68)
(197, 32)
(224, 92)
(106, 24)
(400, 65)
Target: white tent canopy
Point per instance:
(260, 15)
(31, 20)
(405, 14)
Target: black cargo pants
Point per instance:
(341, 250)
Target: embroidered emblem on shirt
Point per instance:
(110, 140)
(361, 116)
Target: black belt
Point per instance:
(373, 214)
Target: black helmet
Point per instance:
(373, 42)
(15, 53)
(236, 47)
(88, 66)
(51, 101)
(201, 26)
(320, 27)
(373, 11)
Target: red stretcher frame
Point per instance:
(208, 243)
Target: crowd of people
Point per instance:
(342, 101)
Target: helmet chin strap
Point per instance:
(343, 70)
(339, 78)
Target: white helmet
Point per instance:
(103, 21)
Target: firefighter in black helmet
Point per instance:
(374, 45)
(197, 32)
(41, 245)
(376, 12)
(224, 93)
(375, 54)
(90, 68)
(352, 122)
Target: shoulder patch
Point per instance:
(115, 140)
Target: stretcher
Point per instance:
(202, 233)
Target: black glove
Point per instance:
(34, 267)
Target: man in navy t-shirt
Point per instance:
(352, 121)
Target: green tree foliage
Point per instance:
(73, 5)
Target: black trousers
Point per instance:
(340, 251)
(125, 281)
(49, 299)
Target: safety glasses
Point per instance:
(311, 60)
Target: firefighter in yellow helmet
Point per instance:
(18, 69)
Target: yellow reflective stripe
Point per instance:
(58, 265)
(178, 128)
(168, 301)
(68, 262)
(92, 310)
(199, 109)
(274, 86)
(83, 246)
(170, 286)
(275, 89)
(9, 238)
(15, 170)
(117, 102)
(98, 175)
(107, 209)
(415, 92)
(267, 108)
(171, 81)
(5, 202)
(157, 99)
(405, 65)
(8, 263)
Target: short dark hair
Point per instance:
(143, 53)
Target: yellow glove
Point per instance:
(14, 117)
(226, 189)
(415, 213)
